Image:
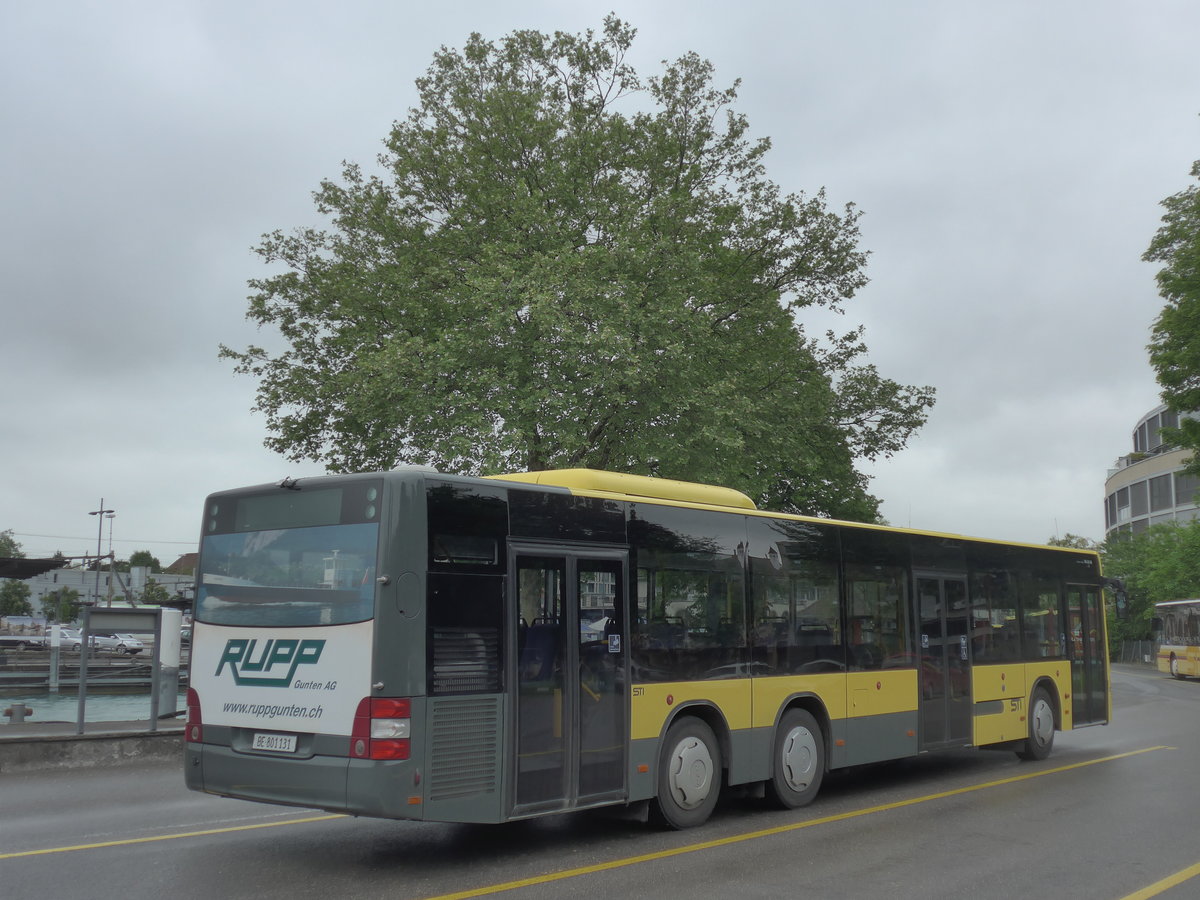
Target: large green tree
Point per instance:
(1156, 565)
(139, 558)
(563, 264)
(1175, 339)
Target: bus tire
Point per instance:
(1175, 668)
(1041, 727)
(689, 774)
(797, 761)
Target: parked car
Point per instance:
(127, 643)
(107, 642)
(71, 638)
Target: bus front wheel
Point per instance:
(798, 764)
(1041, 727)
(1175, 668)
(689, 774)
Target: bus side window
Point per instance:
(994, 630)
(1043, 636)
(878, 621)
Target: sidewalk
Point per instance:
(36, 746)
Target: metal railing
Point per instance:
(1136, 652)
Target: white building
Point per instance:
(110, 588)
(1147, 487)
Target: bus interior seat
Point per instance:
(666, 635)
(540, 652)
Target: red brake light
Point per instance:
(390, 708)
(193, 733)
(381, 728)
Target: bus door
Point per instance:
(1085, 644)
(570, 709)
(944, 672)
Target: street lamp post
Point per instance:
(111, 558)
(101, 513)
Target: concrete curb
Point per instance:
(35, 754)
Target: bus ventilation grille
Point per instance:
(465, 735)
(466, 659)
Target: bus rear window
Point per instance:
(289, 576)
(290, 556)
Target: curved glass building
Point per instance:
(1147, 487)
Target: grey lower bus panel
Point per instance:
(868, 739)
(318, 782)
(465, 741)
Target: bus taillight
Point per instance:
(194, 733)
(382, 727)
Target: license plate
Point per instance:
(280, 743)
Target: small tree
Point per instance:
(1073, 541)
(9, 547)
(62, 605)
(154, 593)
(14, 598)
(144, 558)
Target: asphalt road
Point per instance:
(1111, 814)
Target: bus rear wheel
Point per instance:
(1041, 727)
(1175, 668)
(798, 762)
(689, 775)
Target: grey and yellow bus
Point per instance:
(416, 645)
(1177, 629)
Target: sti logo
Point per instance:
(277, 662)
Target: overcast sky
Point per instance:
(1008, 158)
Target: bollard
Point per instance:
(17, 713)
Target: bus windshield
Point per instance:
(322, 575)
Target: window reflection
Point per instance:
(297, 576)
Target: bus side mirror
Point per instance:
(1121, 598)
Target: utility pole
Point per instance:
(101, 512)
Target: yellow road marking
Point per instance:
(632, 860)
(167, 837)
(1169, 882)
(551, 877)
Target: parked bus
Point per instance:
(416, 645)
(1177, 627)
